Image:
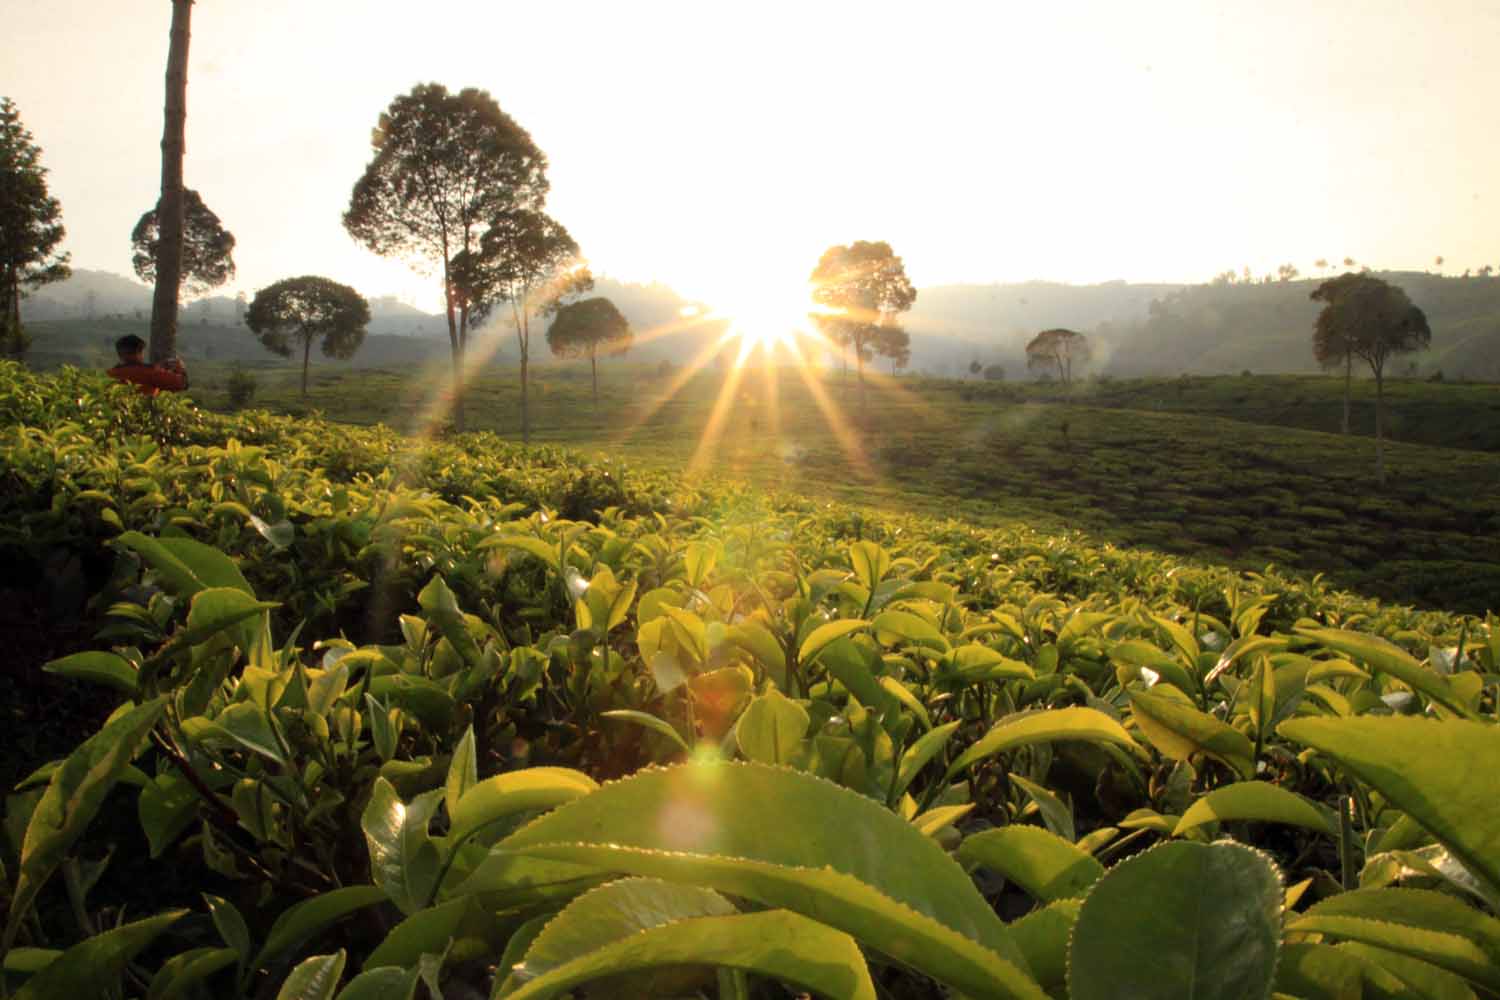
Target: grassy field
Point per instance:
(1201, 467)
(1450, 415)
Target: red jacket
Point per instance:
(150, 379)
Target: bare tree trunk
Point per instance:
(525, 398)
(14, 309)
(457, 348)
(1348, 382)
(306, 354)
(1379, 428)
(859, 363)
(169, 207)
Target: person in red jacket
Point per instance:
(149, 379)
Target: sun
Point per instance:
(762, 327)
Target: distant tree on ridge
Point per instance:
(1371, 319)
(1056, 350)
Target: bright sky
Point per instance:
(721, 147)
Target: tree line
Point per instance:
(455, 182)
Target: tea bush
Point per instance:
(388, 716)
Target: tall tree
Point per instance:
(864, 285)
(1367, 318)
(444, 165)
(527, 260)
(579, 329)
(306, 309)
(170, 206)
(1057, 349)
(207, 247)
(30, 226)
(1331, 345)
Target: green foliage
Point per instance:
(398, 714)
(580, 329)
(1212, 927)
(207, 247)
(306, 309)
(32, 228)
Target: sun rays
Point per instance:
(726, 406)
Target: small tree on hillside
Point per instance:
(866, 286)
(1055, 351)
(307, 309)
(579, 329)
(1365, 317)
(207, 247)
(30, 226)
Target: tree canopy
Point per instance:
(526, 259)
(1056, 350)
(863, 286)
(30, 226)
(444, 166)
(579, 329)
(207, 247)
(306, 309)
(1368, 318)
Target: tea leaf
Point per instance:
(1209, 915)
(1256, 800)
(1413, 763)
(860, 868)
(1039, 861)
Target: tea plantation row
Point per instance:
(358, 693)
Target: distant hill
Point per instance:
(1156, 329)
(103, 295)
(953, 325)
(1267, 328)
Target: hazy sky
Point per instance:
(720, 147)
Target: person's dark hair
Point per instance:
(130, 344)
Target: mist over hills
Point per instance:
(1135, 329)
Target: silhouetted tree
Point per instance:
(975, 367)
(866, 287)
(528, 260)
(207, 247)
(30, 226)
(579, 329)
(1438, 260)
(444, 165)
(892, 341)
(306, 309)
(1371, 319)
(1057, 349)
(170, 206)
(1287, 272)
